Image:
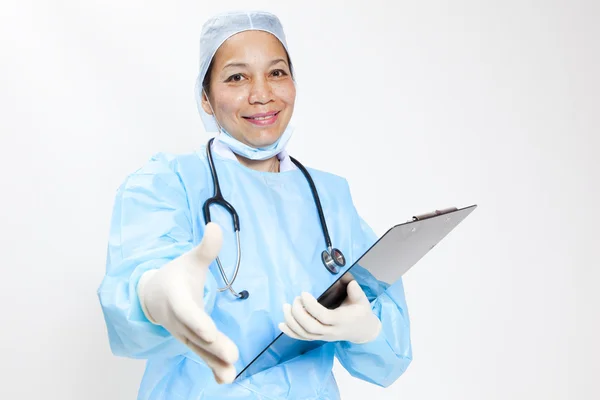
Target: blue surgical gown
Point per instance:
(158, 216)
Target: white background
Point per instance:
(420, 105)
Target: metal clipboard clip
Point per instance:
(434, 213)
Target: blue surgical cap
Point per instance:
(216, 31)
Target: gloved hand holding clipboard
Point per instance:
(400, 248)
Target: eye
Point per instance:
(235, 78)
(278, 73)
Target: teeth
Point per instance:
(262, 118)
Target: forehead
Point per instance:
(248, 46)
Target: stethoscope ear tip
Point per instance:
(244, 295)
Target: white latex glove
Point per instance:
(352, 321)
(172, 296)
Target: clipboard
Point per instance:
(387, 260)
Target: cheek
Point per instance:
(229, 103)
(286, 92)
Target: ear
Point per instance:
(205, 104)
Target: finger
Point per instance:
(307, 321)
(316, 310)
(225, 376)
(208, 249)
(222, 348)
(355, 293)
(224, 372)
(332, 294)
(285, 329)
(293, 324)
(182, 336)
(196, 319)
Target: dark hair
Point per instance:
(207, 77)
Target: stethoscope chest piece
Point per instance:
(332, 260)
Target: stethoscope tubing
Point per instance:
(331, 257)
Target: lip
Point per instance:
(268, 118)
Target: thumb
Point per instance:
(210, 245)
(355, 293)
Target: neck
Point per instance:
(268, 165)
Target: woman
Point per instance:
(166, 300)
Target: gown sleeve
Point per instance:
(151, 225)
(385, 359)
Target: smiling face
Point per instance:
(251, 90)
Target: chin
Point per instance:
(265, 139)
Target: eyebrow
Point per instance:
(244, 65)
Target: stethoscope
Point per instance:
(332, 258)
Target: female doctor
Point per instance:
(213, 254)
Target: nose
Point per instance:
(260, 92)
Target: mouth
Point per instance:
(263, 119)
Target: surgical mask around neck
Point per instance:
(255, 153)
